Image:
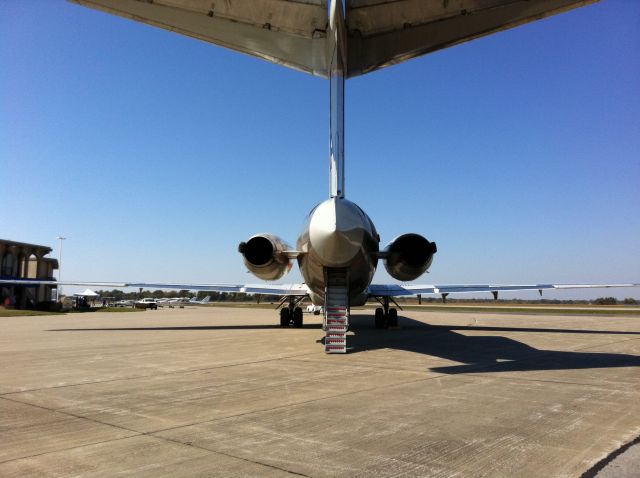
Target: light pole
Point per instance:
(59, 288)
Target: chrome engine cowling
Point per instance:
(409, 256)
(264, 256)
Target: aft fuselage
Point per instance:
(338, 235)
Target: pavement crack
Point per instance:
(74, 415)
(522, 379)
(26, 457)
(134, 433)
(292, 405)
(606, 344)
(162, 374)
(199, 447)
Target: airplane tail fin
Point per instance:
(206, 300)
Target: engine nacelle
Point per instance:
(409, 256)
(264, 256)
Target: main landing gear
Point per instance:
(291, 313)
(386, 316)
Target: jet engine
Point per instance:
(409, 256)
(264, 256)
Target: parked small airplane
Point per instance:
(195, 301)
(172, 300)
(338, 250)
(181, 301)
(178, 300)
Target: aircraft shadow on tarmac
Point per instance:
(185, 327)
(475, 353)
(483, 353)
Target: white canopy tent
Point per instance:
(87, 293)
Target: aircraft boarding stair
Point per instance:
(336, 315)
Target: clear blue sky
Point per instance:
(155, 154)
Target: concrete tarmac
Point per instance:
(216, 391)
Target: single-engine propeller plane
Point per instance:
(339, 248)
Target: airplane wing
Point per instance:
(293, 33)
(375, 290)
(397, 290)
(263, 289)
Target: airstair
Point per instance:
(336, 312)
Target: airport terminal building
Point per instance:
(19, 260)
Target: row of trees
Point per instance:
(614, 301)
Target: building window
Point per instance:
(6, 268)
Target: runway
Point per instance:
(215, 391)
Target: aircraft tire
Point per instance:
(379, 318)
(392, 318)
(297, 317)
(285, 317)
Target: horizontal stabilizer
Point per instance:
(290, 33)
(385, 33)
(293, 33)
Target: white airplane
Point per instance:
(171, 301)
(195, 301)
(176, 300)
(339, 249)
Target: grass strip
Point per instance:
(24, 313)
(119, 309)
